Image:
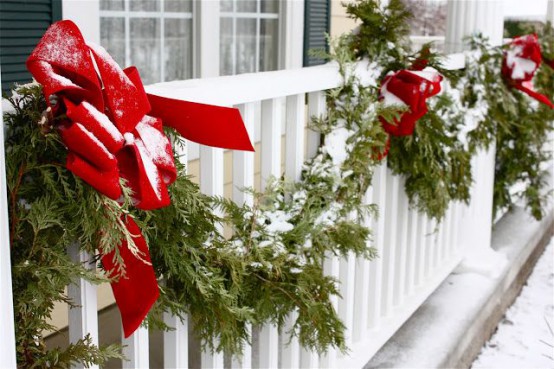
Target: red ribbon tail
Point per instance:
(210, 125)
(136, 292)
(534, 94)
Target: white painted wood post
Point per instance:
(136, 349)
(206, 28)
(550, 12)
(7, 329)
(466, 18)
(376, 267)
(83, 318)
(271, 167)
(390, 245)
(316, 108)
(290, 351)
(176, 342)
(296, 115)
(291, 38)
(243, 177)
(401, 244)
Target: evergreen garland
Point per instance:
(271, 267)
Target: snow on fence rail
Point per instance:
(378, 296)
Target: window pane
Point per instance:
(112, 37)
(269, 47)
(144, 5)
(226, 5)
(226, 47)
(112, 5)
(250, 6)
(269, 6)
(181, 6)
(145, 48)
(178, 49)
(246, 45)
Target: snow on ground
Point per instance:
(525, 337)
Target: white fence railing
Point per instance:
(378, 296)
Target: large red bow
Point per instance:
(110, 136)
(408, 88)
(520, 63)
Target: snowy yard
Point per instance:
(525, 337)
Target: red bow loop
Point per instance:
(109, 136)
(520, 62)
(409, 88)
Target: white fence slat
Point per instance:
(83, 318)
(347, 273)
(309, 359)
(316, 108)
(136, 350)
(412, 251)
(331, 266)
(7, 337)
(290, 347)
(245, 361)
(361, 297)
(430, 238)
(421, 248)
(271, 139)
(376, 266)
(243, 177)
(268, 346)
(243, 161)
(211, 360)
(401, 244)
(211, 170)
(295, 131)
(389, 251)
(176, 342)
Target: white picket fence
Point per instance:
(378, 296)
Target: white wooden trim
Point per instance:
(290, 348)
(7, 329)
(86, 15)
(206, 24)
(291, 30)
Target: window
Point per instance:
(249, 35)
(161, 44)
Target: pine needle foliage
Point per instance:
(45, 220)
(435, 164)
(518, 125)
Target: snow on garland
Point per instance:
(272, 265)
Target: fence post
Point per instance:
(465, 18)
(7, 329)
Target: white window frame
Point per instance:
(205, 24)
(258, 16)
(127, 15)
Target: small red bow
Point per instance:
(409, 88)
(520, 63)
(110, 136)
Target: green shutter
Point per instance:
(22, 24)
(317, 23)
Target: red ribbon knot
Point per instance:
(520, 62)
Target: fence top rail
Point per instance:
(250, 87)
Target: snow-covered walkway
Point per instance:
(525, 337)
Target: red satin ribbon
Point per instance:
(520, 63)
(110, 136)
(412, 88)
